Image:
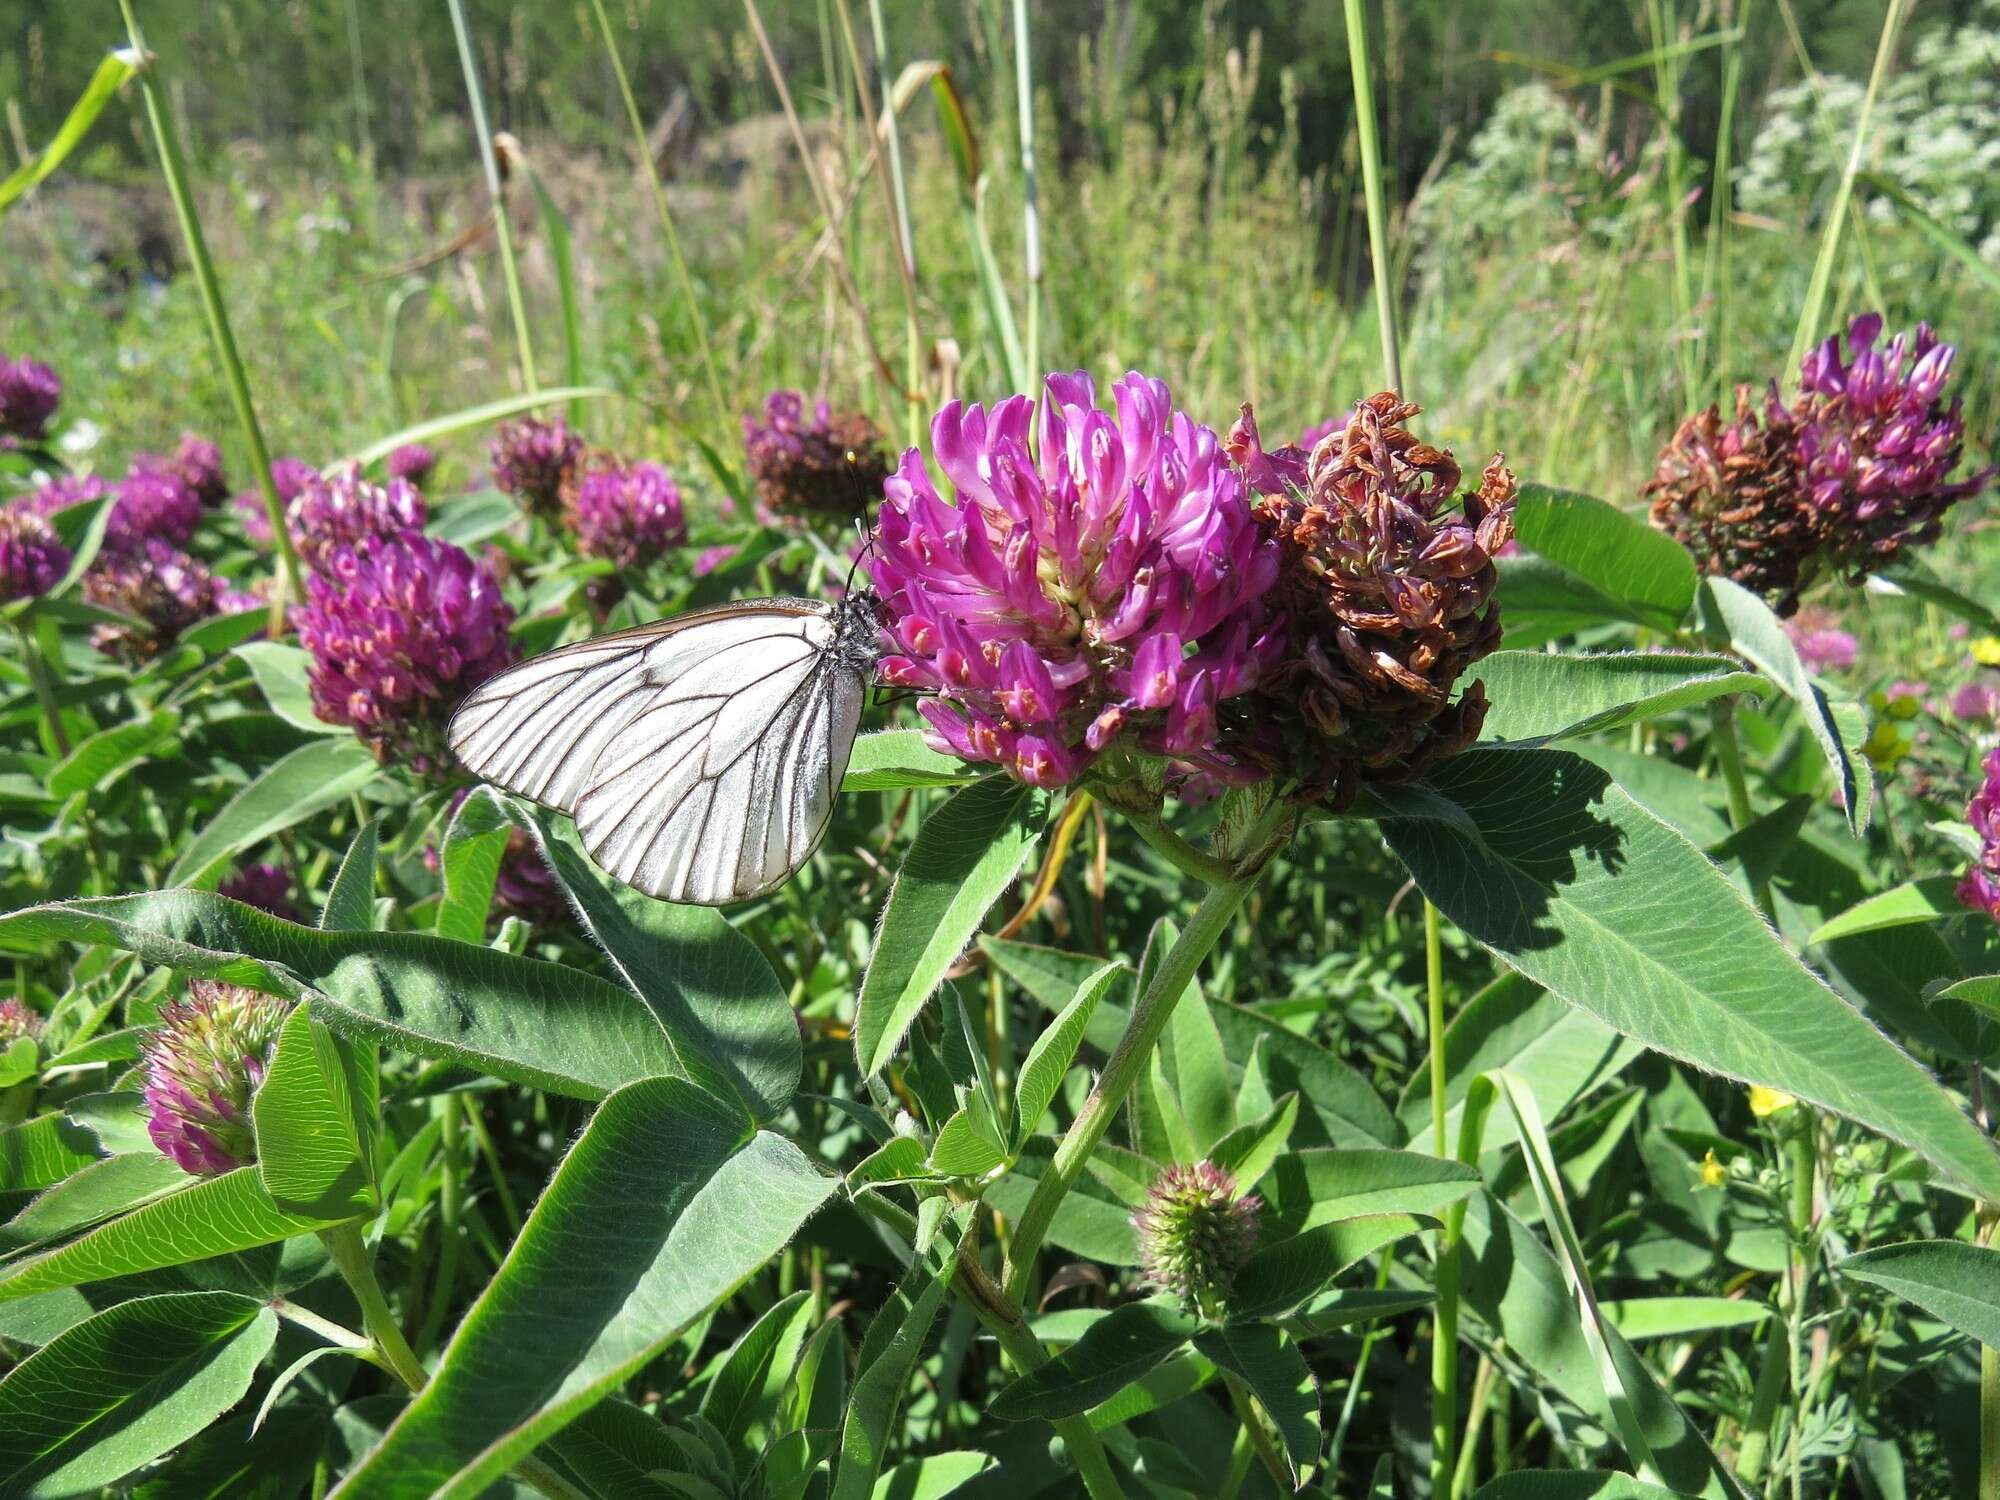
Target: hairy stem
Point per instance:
(1149, 1021)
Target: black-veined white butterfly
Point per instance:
(699, 755)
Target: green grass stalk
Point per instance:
(1814, 309)
(503, 230)
(906, 245)
(1031, 222)
(173, 167)
(1715, 286)
(1372, 187)
(667, 231)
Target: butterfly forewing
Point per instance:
(699, 756)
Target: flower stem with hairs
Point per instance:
(1135, 1049)
(174, 170)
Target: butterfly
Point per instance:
(699, 754)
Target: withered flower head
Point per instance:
(1388, 580)
(820, 464)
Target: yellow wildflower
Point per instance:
(1767, 1102)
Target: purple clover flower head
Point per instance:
(401, 628)
(154, 504)
(17, 1021)
(1195, 1233)
(709, 559)
(1980, 889)
(340, 510)
(29, 394)
(629, 514)
(533, 461)
(1976, 700)
(204, 1062)
(1822, 645)
(1109, 591)
(196, 463)
(267, 887)
(1876, 445)
(829, 466)
(413, 463)
(33, 559)
(289, 476)
(157, 584)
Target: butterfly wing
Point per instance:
(699, 755)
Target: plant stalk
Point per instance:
(1031, 219)
(1135, 1049)
(173, 167)
(1371, 181)
(503, 230)
(1729, 755)
(44, 686)
(1444, 1327)
(913, 372)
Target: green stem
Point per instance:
(1822, 272)
(1031, 221)
(1358, 1382)
(1371, 181)
(1176, 850)
(1242, 1454)
(1715, 288)
(503, 229)
(913, 359)
(667, 230)
(174, 169)
(1260, 1440)
(1444, 1335)
(450, 1192)
(1483, 1383)
(1989, 1384)
(1149, 1020)
(1729, 755)
(44, 686)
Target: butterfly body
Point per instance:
(699, 755)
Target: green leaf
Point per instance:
(1305, 1189)
(1341, 1107)
(474, 416)
(1052, 977)
(350, 900)
(310, 779)
(475, 842)
(1570, 1484)
(1192, 1057)
(1645, 572)
(1270, 1364)
(1537, 695)
(280, 672)
(965, 855)
(315, 1119)
(1675, 1317)
(1954, 1282)
(19, 1061)
(713, 993)
(963, 1150)
(92, 1194)
(932, 1477)
(42, 1151)
(1929, 900)
(891, 759)
(1575, 885)
(1114, 1351)
(1055, 1049)
(888, 1358)
(521, 1019)
(1279, 1277)
(664, 1205)
(121, 1388)
(1544, 603)
(902, 1159)
(1981, 992)
(1249, 1150)
(1734, 617)
(1515, 1286)
(1091, 1221)
(112, 72)
(215, 1216)
(757, 1372)
(97, 762)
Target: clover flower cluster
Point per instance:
(534, 461)
(1822, 645)
(1104, 591)
(33, 558)
(289, 477)
(17, 1021)
(196, 463)
(154, 504)
(1195, 1233)
(339, 510)
(1387, 580)
(1851, 475)
(400, 628)
(157, 584)
(29, 394)
(829, 467)
(204, 1062)
(627, 514)
(267, 887)
(1980, 889)
(412, 463)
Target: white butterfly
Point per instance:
(699, 755)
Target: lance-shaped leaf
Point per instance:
(1114, 1351)
(1537, 855)
(1948, 1279)
(1055, 1049)
(1646, 574)
(892, 759)
(664, 1205)
(1270, 1365)
(315, 1119)
(1539, 695)
(312, 778)
(1279, 1277)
